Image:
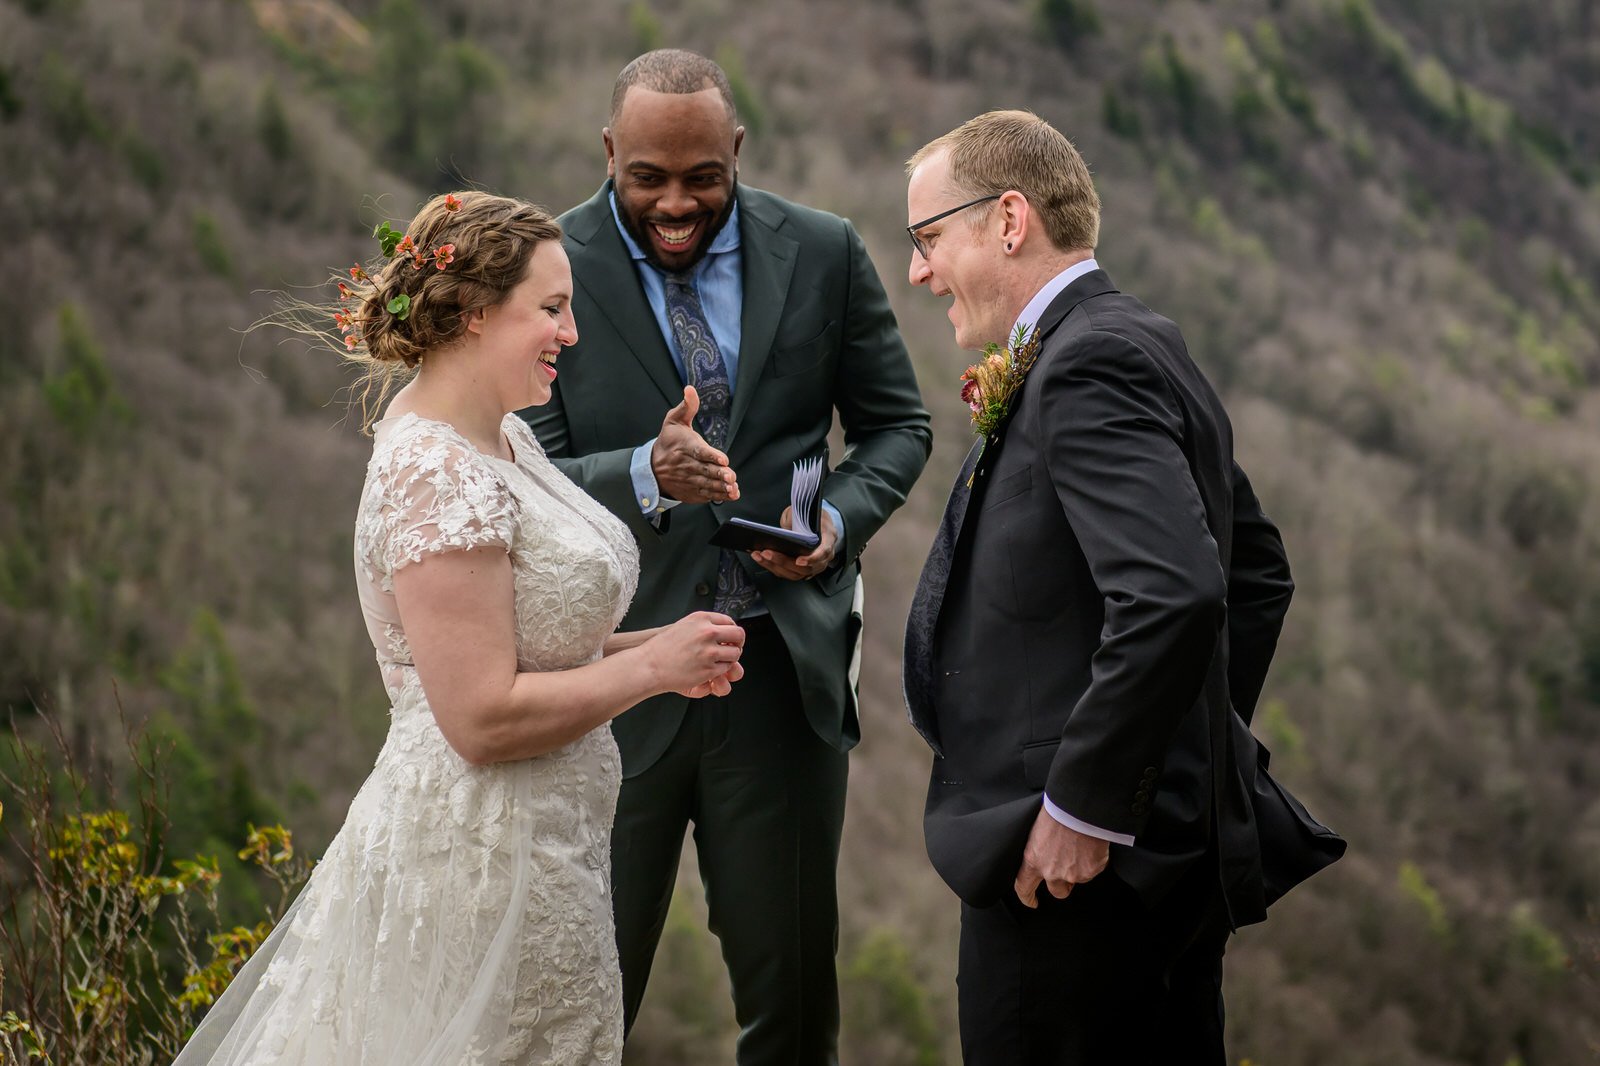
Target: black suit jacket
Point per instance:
(1109, 589)
(819, 337)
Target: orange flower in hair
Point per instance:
(359, 273)
(344, 291)
(451, 203)
(406, 246)
(444, 255)
(350, 341)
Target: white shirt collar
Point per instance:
(1052, 289)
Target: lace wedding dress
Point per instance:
(462, 915)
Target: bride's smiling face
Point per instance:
(520, 337)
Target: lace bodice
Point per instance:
(428, 490)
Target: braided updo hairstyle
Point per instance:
(487, 240)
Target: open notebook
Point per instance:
(805, 497)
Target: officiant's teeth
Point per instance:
(674, 236)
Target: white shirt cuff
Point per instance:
(1084, 827)
(646, 493)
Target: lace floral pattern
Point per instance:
(463, 913)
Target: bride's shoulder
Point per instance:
(520, 434)
(408, 446)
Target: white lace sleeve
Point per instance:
(429, 494)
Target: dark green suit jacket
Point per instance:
(818, 336)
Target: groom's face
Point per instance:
(960, 261)
(674, 159)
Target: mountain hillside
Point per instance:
(1377, 221)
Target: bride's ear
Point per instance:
(473, 320)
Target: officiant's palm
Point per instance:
(800, 567)
(687, 468)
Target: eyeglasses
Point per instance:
(911, 231)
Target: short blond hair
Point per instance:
(1003, 150)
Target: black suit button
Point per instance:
(702, 589)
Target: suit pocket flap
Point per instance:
(1008, 487)
(799, 358)
(1036, 760)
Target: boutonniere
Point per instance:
(990, 384)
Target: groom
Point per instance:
(1103, 591)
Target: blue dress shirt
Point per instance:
(719, 282)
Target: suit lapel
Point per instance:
(923, 620)
(768, 264)
(602, 265)
(1094, 283)
(916, 673)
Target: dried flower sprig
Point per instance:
(989, 385)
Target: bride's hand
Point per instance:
(717, 686)
(698, 655)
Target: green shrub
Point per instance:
(885, 999)
(148, 165)
(10, 102)
(1535, 945)
(1067, 22)
(66, 103)
(81, 395)
(109, 948)
(272, 124)
(1119, 118)
(645, 26)
(210, 245)
(752, 115)
(1414, 883)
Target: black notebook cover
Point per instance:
(805, 500)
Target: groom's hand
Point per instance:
(800, 567)
(1058, 857)
(685, 466)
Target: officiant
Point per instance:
(722, 327)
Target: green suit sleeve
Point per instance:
(887, 434)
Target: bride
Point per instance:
(462, 914)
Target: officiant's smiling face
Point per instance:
(674, 158)
(962, 259)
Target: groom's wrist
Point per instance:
(1081, 826)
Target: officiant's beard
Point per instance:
(635, 225)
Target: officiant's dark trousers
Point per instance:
(766, 799)
(1095, 979)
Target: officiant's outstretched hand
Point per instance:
(685, 466)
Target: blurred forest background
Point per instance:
(1377, 221)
